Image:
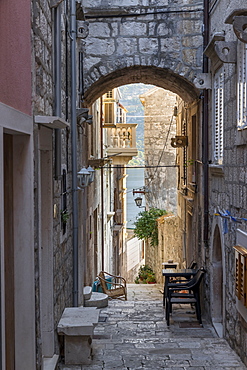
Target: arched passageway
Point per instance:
(160, 77)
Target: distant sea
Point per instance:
(135, 180)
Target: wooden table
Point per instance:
(174, 273)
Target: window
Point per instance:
(109, 94)
(241, 274)
(241, 86)
(218, 116)
(109, 113)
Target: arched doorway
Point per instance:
(217, 283)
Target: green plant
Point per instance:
(145, 275)
(64, 216)
(146, 226)
(151, 279)
(189, 162)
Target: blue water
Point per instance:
(135, 180)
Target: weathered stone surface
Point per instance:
(150, 40)
(122, 345)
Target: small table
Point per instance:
(169, 273)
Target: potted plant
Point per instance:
(145, 275)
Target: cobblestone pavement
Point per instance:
(133, 335)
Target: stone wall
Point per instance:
(169, 246)
(157, 45)
(159, 128)
(227, 187)
(43, 104)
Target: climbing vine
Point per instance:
(146, 226)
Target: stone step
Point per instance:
(99, 300)
(87, 292)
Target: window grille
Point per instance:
(218, 116)
(241, 86)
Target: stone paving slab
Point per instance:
(133, 335)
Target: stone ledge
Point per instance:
(216, 170)
(77, 325)
(50, 363)
(78, 321)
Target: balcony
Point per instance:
(121, 143)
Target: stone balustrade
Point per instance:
(121, 142)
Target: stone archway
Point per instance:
(217, 278)
(160, 44)
(160, 77)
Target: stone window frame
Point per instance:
(242, 86)
(218, 115)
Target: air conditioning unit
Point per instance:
(179, 141)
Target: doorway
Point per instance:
(217, 283)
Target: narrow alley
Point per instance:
(133, 335)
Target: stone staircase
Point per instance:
(94, 299)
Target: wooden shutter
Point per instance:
(109, 113)
(218, 115)
(241, 274)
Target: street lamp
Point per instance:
(83, 177)
(138, 201)
(92, 173)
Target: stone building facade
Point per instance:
(227, 244)
(159, 128)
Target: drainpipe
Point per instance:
(57, 91)
(102, 188)
(74, 151)
(205, 127)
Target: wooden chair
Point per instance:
(190, 294)
(115, 287)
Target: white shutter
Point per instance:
(218, 115)
(241, 86)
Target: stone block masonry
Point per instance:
(166, 36)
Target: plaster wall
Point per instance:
(15, 54)
(19, 126)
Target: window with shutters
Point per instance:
(218, 115)
(241, 274)
(108, 113)
(241, 86)
(109, 108)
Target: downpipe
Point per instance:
(57, 83)
(205, 128)
(74, 151)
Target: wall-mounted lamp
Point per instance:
(138, 201)
(85, 176)
(92, 173)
